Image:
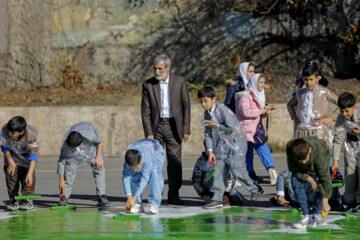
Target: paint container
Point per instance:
(127, 217)
(28, 188)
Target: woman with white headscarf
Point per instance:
(250, 110)
(245, 71)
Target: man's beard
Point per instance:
(162, 76)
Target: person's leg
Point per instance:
(350, 177)
(12, 183)
(300, 194)
(250, 158)
(174, 166)
(156, 185)
(265, 155)
(99, 177)
(69, 176)
(22, 179)
(218, 186)
(241, 175)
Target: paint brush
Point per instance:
(28, 188)
(212, 171)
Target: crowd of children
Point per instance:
(233, 131)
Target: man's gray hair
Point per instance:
(162, 58)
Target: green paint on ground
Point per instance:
(234, 223)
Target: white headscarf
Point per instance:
(242, 72)
(259, 96)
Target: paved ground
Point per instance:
(84, 195)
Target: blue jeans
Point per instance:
(264, 154)
(306, 196)
(156, 184)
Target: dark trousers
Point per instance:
(13, 182)
(306, 196)
(167, 135)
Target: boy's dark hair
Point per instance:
(300, 148)
(74, 139)
(311, 68)
(16, 124)
(346, 100)
(132, 157)
(206, 92)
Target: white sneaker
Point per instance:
(320, 221)
(138, 208)
(303, 223)
(153, 209)
(273, 176)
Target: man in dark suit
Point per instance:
(165, 112)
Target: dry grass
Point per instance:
(130, 94)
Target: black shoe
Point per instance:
(103, 201)
(356, 209)
(176, 201)
(214, 204)
(253, 176)
(258, 194)
(350, 207)
(13, 205)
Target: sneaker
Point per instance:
(27, 204)
(62, 202)
(13, 206)
(303, 223)
(214, 204)
(320, 221)
(273, 176)
(153, 209)
(356, 209)
(103, 202)
(350, 207)
(138, 208)
(258, 194)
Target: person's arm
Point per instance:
(11, 164)
(230, 91)
(322, 170)
(186, 109)
(146, 112)
(127, 171)
(98, 163)
(280, 186)
(334, 99)
(339, 138)
(291, 106)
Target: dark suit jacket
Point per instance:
(151, 105)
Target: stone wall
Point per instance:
(114, 41)
(119, 126)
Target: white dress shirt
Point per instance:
(308, 111)
(165, 99)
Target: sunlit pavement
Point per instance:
(257, 219)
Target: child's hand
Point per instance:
(62, 186)
(209, 123)
(99, 164)
(356, 130)
(281, 200)
(334, 166)
(325, 121)
(325, 206)
(211, 155)
(128, 201)
(11, 168)
(29, 179)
